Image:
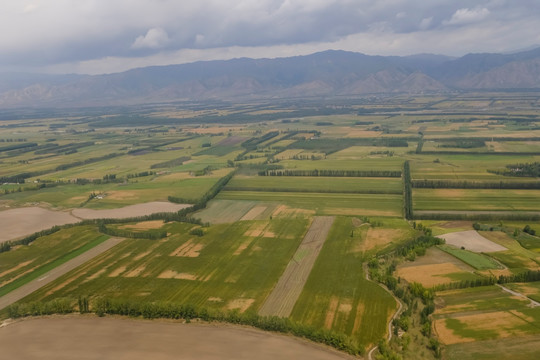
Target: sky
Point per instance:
(106, 36)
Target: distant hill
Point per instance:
(328, 73)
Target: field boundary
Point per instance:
(50, 276)
(283, 297)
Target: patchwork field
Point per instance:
(435, 268)
(338, 296)
(281, 300)
(325, 204)
(233, 266)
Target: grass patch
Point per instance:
(41, 270)
(477, 261)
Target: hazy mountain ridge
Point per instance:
(326, 73)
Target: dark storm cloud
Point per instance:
(50, 32)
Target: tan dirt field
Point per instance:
(89, 337)
(171, 274)
(129, 211)
(472, 241)
(281, 300)
(16, 223)
(240, 304)
(258, 230)
(428, 275)
(188, 249)
(253, 213)
(144, 225)
(505, 323)
(379, 237)
(55, 273)
(23, 264)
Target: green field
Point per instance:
(476, 200)
(325, 204)
(337, 294)
(26, 263)
(316, 184)
(477, 261)
(223, 269)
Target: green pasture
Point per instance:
(483, 298)
(326, 203)
(476, 199)
(464, 167)
(375, 163)
(520, 347)
(138, 190)
(337, 294)
(531, 289)
(316, 184)
(226, 268)
(27, 262)
(477, 261)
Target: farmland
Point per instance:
(213, 219)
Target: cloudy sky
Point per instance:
(103, 36)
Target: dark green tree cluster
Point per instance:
(150, 234)
(407, 191)
(332, 173)
(466, 184)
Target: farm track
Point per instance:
(55, 273)
(515, 293)
(281, 300)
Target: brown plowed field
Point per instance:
(129, 211)
(281, 300)
(89, 337)
(19, 222)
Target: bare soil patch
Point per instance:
(240, 304)
(129, 211)
(504, 323)
(254, 213)
(188, 249)
(144, 225)
(472, 241)
(21, 265)
(16, 223)
(171, 274)
(59, 338)
(379, 237)
(135, 272)
(242, 247)
(116, 272)
(331, 312)
(281, 300)
(429, 275)
(258, 230)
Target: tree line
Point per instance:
(407, 191)
(331, 173)
(169, 310)
(466, 184)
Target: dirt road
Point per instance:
(55, 273)
(90, 337)
(281, 300)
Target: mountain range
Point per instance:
(328, 73)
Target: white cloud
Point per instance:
(425, 23)
(155, 38)
(468, 16)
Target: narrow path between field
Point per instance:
(281, 300)
(515, 293)
(396, 314)
(55, 273)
